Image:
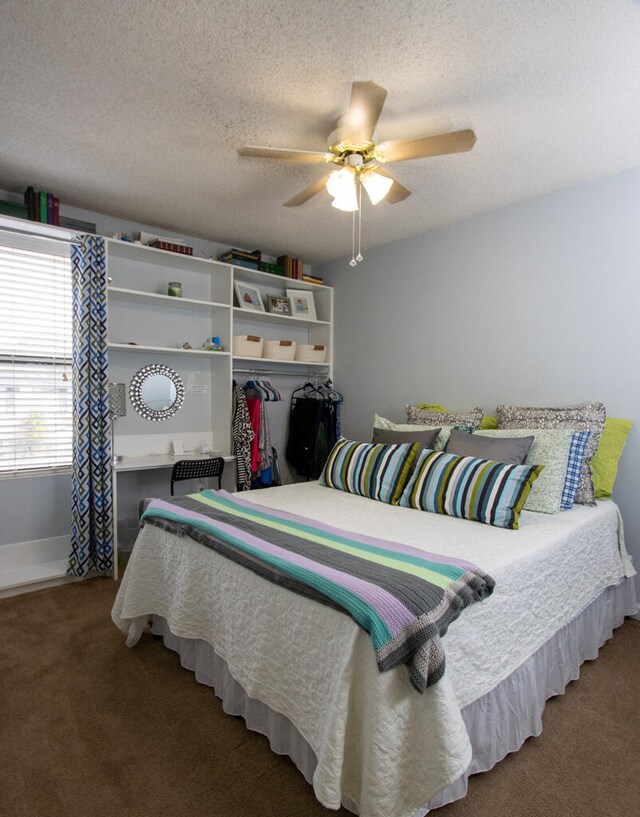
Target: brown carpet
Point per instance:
(89, 727)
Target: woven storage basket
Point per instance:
(247, 345)
(279, 349)
(311, 353)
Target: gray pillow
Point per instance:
(582, 417)
(512, 450)
(386, 436)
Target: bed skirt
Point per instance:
(497, 723)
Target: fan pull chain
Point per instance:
(353, 261)
(359, 255)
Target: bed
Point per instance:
(305, 674)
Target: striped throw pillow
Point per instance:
(470, 488)
(375, 471)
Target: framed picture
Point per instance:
(278, 305)
(302, 304)
(248, 296)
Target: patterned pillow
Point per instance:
(375, 471)
(470, 488)
(418, 416)
(550, 448)
(584, 417)
(577, 452)
(443, 436)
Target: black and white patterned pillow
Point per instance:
(582, 417)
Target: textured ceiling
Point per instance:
(135, 108)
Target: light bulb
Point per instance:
(346, 198)
(340, 182)
(376, 185)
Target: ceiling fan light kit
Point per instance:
(359, 157)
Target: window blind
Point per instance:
(35, 359)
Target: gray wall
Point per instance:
(536, 304)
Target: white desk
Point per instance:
(150, 462)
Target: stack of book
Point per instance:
(42, 206)
(313, 279)
(242, 258)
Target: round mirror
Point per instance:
(156, 392)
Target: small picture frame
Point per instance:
(302, 304)
(248, 296)
(278, 305)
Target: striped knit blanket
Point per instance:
(403, 597)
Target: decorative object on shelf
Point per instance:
(302, 304)
(278, 305)
(171, 246)
(242, 258)
(156, 392)
(117, 408)
(184, 345)
(311, 352)
(213, 345)
(353, 149)
(279, 349)
(247, 345)
(248, 296)
(174, 288)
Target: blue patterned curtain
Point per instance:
(91, 489)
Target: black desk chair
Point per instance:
(196, 469)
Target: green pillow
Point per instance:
(605, 462)
(488, 422)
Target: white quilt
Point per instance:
(377, 741)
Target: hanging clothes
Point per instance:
(242, 435)
(253, 405)
(312, 429)
(257, 392)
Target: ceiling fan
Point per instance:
(359, 157)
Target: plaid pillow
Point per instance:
(577, 452)
(375, 471)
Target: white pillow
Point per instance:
(443, 436)
(550, 448)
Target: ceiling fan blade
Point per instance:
(308, 192)
(398, 192)
(361, 118)
(456, 142)
(306, 156)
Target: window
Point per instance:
(35, 357)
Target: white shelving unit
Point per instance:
(146, 325)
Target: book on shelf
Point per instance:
(43, 207)
(30, 201)
(56, 211)
(13, 208)
(313, 279)
(77, 224)
(293, 267)
(181, 249)
(49, 208)
(242, 258)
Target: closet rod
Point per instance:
(29, 234)
(297, 373)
